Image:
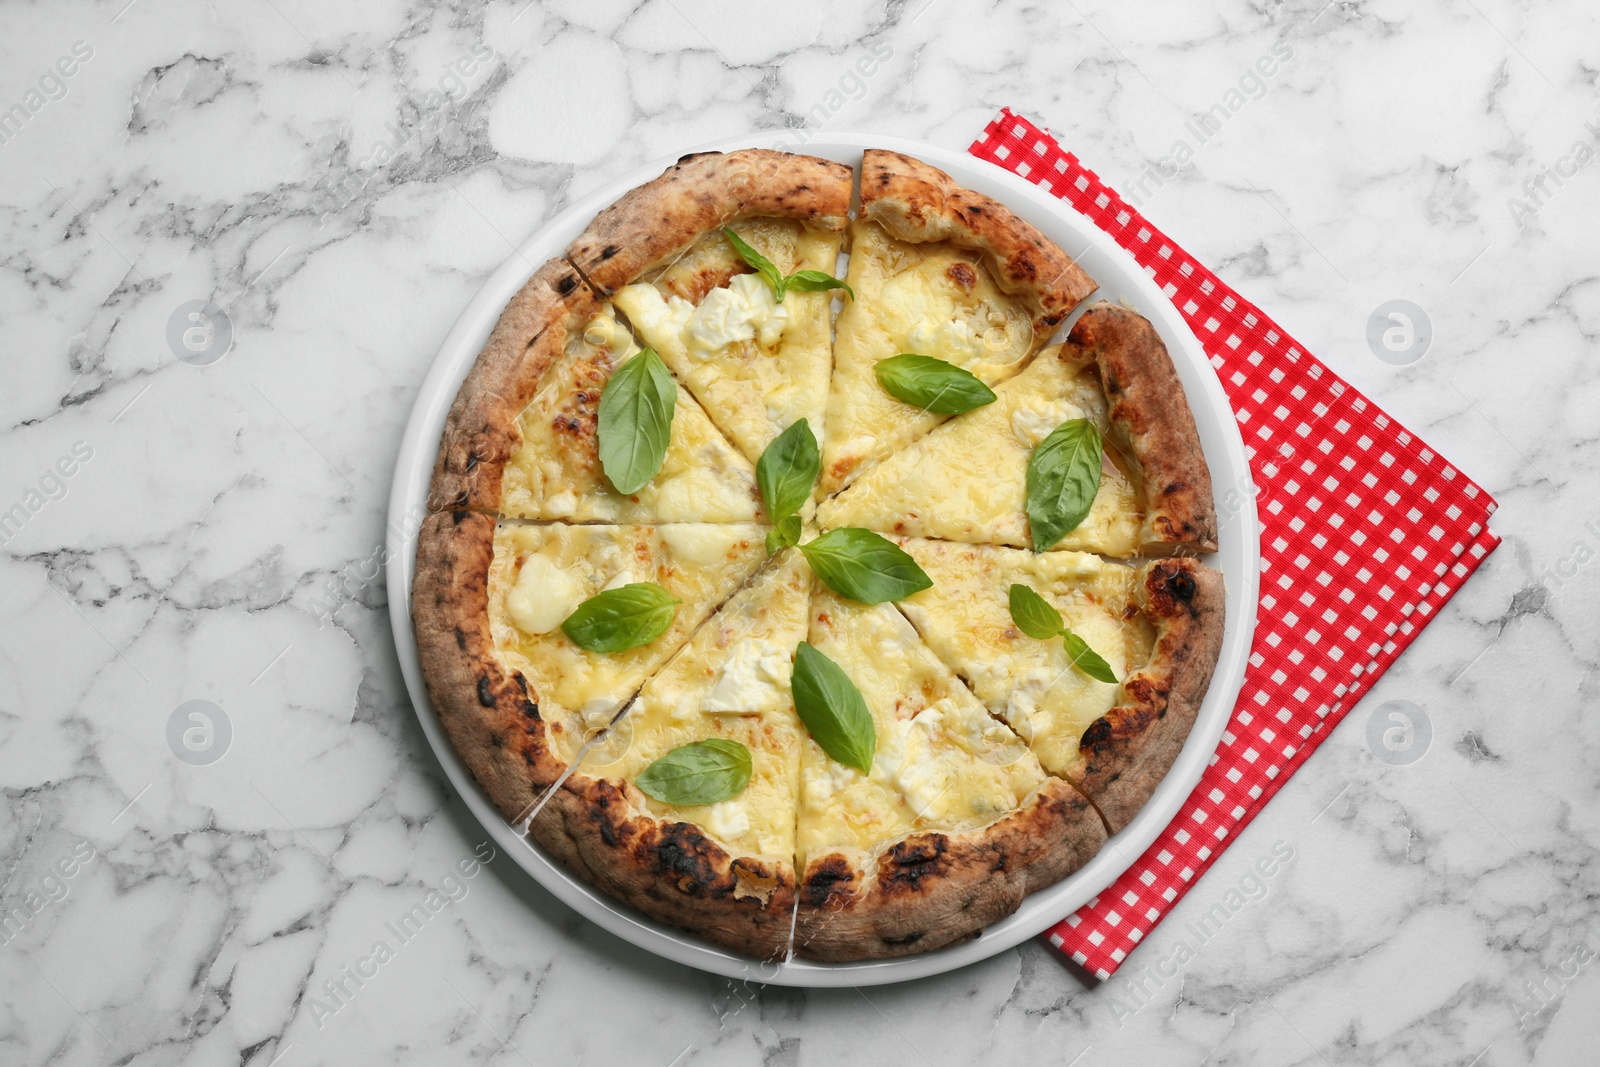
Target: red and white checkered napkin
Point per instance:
(1365, 533)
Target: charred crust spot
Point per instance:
(908, 863)
(485, 691)
(1098, 733)
(608, 251)
(1182, 586)
(825, 878)
(566, 285)
(682, 852)
(962, 274)
(459, 516)
(461, 639)
(908, 939)
(472, 461)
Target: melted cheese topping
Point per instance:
(556, 474)
(941, 761)
(579, 692)
(966, 619)
(967, 480)
(932, 299)
(760, 625)
(760, 366)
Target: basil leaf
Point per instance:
(635, 423)
(622, 618)
(1087, 659)
(864, 566)
(815, 281)
(1033, 614)
(833, 709)
(786, 533)
(757, 262)
(1063, 477)
(788, 469)
(931, 384)
(704, 772)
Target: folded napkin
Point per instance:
(1365, 533)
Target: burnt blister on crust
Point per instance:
(909, 862)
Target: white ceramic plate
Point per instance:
(1121, 279)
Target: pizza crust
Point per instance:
(671, 871)
(934, 889)
(1152, 427)
(919, 203)
(1125, 753)
(489, 713)
(481, 432)
(704, 191)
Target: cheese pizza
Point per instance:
(798, 577)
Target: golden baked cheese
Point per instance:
(556, 472)
(730, 681)
(759, 365)
(965, 618)
(933, 299)
(541, 573)
(941, 763)
(967, 479)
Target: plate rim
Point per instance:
(1040, 910)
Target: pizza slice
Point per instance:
(1158, 627)
(757, 364)
(758, 360)
(939, 271)
(967, 479)
(723, 867)
(517, 696)
(522, 438)
(952, 825)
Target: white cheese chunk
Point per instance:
(727, 820)
(652, 313)
(697, 542)
(752, 679)
(543, 596)
(1032, 423)
(745, 310)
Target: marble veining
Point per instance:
(193, 509)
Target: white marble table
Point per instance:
(339, 178)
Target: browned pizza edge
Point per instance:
(670, 870)
(656, 221)
(481, 431)
(1125, 753)
(490, 713)
(1153, 425)
(932, 889)
(919, 203)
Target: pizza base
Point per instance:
(925, 885)
(922, 204)
(1125, 753)
(660, 219)
(489, 713)
(935, 889)
(1152, 425)
(481, 432)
